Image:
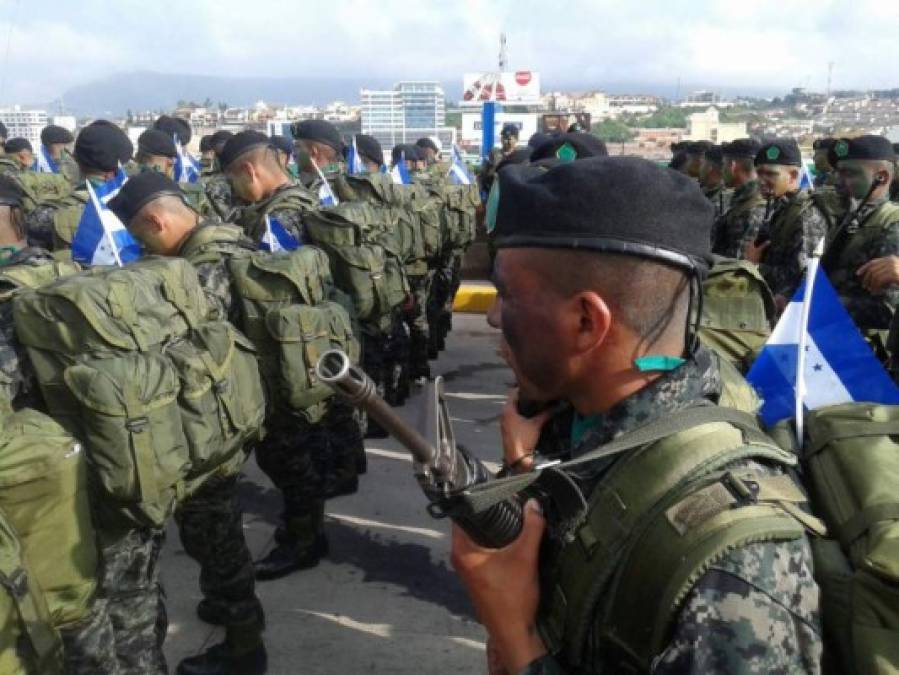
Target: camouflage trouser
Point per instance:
(346, 449)
(211, 530)
(444, 286)
(291, 455)
(129, 583)
(417, 321)
(396, 357)
(89, 645)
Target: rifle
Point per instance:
(443, 469)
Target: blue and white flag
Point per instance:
(100, 238)
(399, 173)
(43, 162)
(276, 237)
(458, 172)
(838, 365)
(187, 168)
(326, 196)
(355, 165)
(807, 176)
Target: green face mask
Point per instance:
(7, 252)
(304, 161)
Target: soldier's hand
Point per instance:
(504, 587)
(755, 253)
(520, 434)
(879, 273)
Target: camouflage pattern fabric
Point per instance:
(720, 198)
(740, 223)
(129, 583)
(211, 531)
(89, 646)
(759, 603)
(339, 467)
(417, 321)
(856, 244)
(9, 166)
(68, 167)
(222, 201)
(287, 205)
(795, 226)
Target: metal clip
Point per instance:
(744, 491)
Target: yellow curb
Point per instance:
(474, 299)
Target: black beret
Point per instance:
(283, 144)
(102, 145)
(624, 205)
(11, 193)
(157, 142)
(509, 129)
(3, 131)
(320, 131)
(678, 160)
(17, 145)
(370, 148)
(584, 145)
(240, 144)
(539, 138)
(823, 143)
(784, 152)
(698, 147)
(206, 143)
(896, 148)
(715, 155)
(53, 134)
(218, 140)
(174, 126)
(407, 151)
(140, 190)
(517, 156)
(864, 147)
(742, 147)
(680, 146)
(427, 143)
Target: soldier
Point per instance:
(207, 155)
(508, 142)
(430, 150)
(284, 146)
(218, 188)
(154, 210)
(870, 230)
(694, 152)
(174, 127)
(56, 141)
(594, 306)
(794, 224)
(19, 154)
(825, 174)
(291, 452)
(741, 221)
(711, 180)
(317, 145)
(156, 151)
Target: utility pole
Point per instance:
(829, 76)
(503, 54)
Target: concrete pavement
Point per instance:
(386, 599)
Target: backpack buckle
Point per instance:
(16, 583)
(744, 491)
(137, 424)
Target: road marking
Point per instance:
(364, 522)
(464, 396)
(384, 630)
(468, 642)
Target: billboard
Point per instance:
(472, 127)
(521, 86)
(560, 122)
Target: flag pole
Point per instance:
(811, 272)
(106, 232)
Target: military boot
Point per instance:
(242, 653)
(301, 546)
(220, 612)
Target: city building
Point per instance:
(406, 113)
(707, 126)
(24, 123)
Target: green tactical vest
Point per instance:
(29, 645)
(66, 216)
(738, 311)
(669, 503)
(195, 195)
(128, 362)
(41, 188)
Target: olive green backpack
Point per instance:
(42, 188)
(29, 644)
(127, 361)
(366, 271)
(738, 311)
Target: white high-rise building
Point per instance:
(24, 123)
(406, 113)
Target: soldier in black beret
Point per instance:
(429, 150)
(370, 151)
(56, 141)
(597, 263)
(694, 151)
(711, 179)
(568, 147)
(156, 152)
(509, 137)
(867, 238)
(101, 148)
(12, 234)
(408, 153)
(207, 155)
(218, 140)
(741, 222)
(214, 182)
(795, 222)
(174, 127)
(825, 173)
(20, 150)
(319, 150)
(284, 146)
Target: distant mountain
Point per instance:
(147, 90)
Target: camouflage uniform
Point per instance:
(741, 222)
(52, 226)
(218, 192)
(754, 611)
(872, 232)
(68, 167)
(720, 198)
(209, 519)
(9, 166)
(796, 224)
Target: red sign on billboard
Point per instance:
(523, 77)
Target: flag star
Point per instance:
(818, 367)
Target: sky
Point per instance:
(48, 46)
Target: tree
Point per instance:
(664, 118)
(612, 131)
